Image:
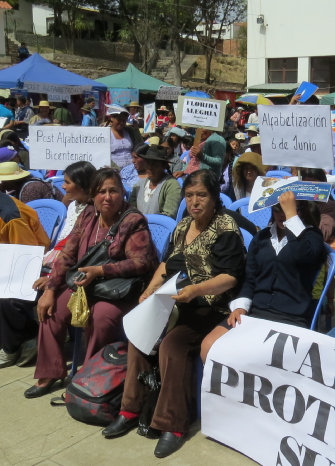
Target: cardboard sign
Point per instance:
(149, 118)
(201, 113)
(268, 392)
(296, 135)
(56, 147)
(23, 267)
(266, 191)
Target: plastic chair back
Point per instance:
(278, 173)
(330, 276)
(161, 228)
(180, 181)
(57, 181)
(247, 237)
(260, 218)
(226, 202)
(128, 191)
(52, 215)
(36, 174)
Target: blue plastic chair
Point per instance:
(330, 276)
(57, 181)
(278, 173)
(36, 174)
(260, 218)
(161, 228)
(128, 191)
(226, 202)
(247, 237)
(52, 215)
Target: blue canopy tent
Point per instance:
(35, 72)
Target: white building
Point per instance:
(290, 42)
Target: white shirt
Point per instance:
(295, 225)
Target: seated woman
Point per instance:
(208, 248)
(159, 193)
(245, 171)
(132, 254)
(282, 263)
(20, 184)
(19, 224)
(78, 178)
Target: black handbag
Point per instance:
(106, 289)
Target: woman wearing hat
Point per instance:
(123, 138)
(162, 116)
(43, 115)
(159, 193)
(20, 184)
(133, 109)
(87, 116)
(245, 171)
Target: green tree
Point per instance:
(215, 16)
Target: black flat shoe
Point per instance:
(168, 444)
(35, 391)
(120, 426)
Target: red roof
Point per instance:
(5, 6)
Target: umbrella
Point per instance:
(197, 94)
(253, 99)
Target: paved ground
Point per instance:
(34, 433)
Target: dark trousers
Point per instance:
(176, 364)
(17, 323)
(104, 326)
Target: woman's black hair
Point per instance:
(209, 180)
(141, 148)
(13, 138)
(101, 176)
(309, 213)
(81, 174)
(316, 174)
(187, 140)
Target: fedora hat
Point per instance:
(133, 104)
(10, 171)
(162, 108)
(44, 103)
(253, 128)
(154, 152)
(255, 140)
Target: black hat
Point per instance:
(155, 153)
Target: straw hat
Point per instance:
(10, 171)
(253, 128)
(133, 104)
(253, 159)
(86, 108)
(255, 140)
(154, 140)
(162, 109)
(239, 136)
(44, 103)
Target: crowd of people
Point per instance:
(151, 174)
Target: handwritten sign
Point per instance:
(268, 391)
(47, 88)
(201, 113)
(56, 147)
(149, 118)
(23, 267)
(296, 135)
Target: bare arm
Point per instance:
(214, 286)
(156, 282)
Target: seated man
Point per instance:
(19, 224)
(23, 51)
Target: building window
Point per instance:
(282, 70)
(323, 73)
(49, 23)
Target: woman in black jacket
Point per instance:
(282, 264)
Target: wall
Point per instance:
(298, 28)
(40, 14)
(21, 19)
(2, 33)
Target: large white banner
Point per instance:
(201, 113)
(56, 147)
(269, 391)
(296, 135)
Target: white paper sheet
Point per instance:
(22, 266)
(145, 323)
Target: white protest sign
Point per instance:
(296, 135)
(149, 118)
(268, 391)
(145, 323)
(23, 267)
(56, 147)
(198, 112)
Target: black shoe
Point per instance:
(168, 444)
(35, 391)
(120, 426)
(150, 433)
